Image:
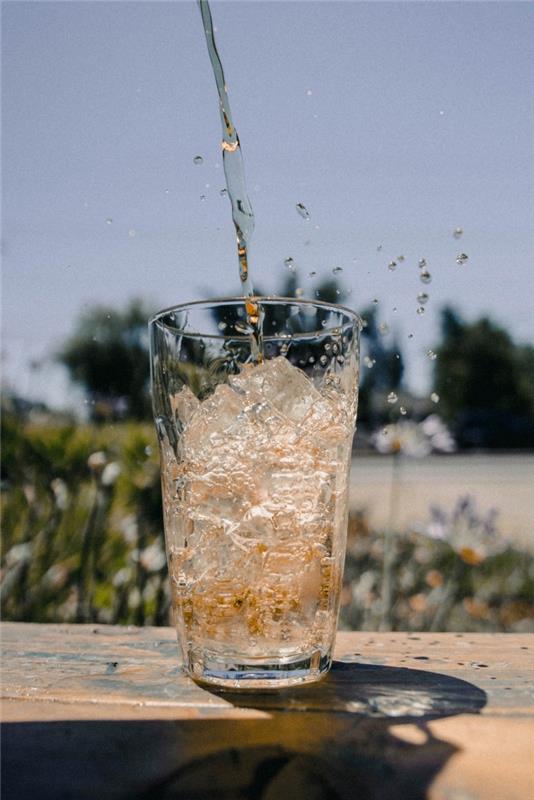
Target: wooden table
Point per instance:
(106, 712)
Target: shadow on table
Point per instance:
(331, 741)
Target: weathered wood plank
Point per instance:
(107, 711)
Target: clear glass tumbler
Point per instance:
(255, 459)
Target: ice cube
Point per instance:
(184, 404)
(280, 383)
(215, 415)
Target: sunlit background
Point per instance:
(406, 130)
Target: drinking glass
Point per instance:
(255, 444)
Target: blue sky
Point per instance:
(393, 123)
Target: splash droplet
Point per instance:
(400, 258)
(303, 211)
(422, 298)
(379, 248)
(309, 92)
(422, 263)
(337, 270)
(432, 356)
(434, 397)
(410, 336)
(461, 258)
(421, 310)
(392, 265)
(392, 398)
(403, 411)
(109, 221)
(425, 276)
(369, 362)
(375, 301)
(132, 233)
(312, 274)
(457, 232)
(289, 262)
(198, 160)
(202, 197)
(323, 360)
(223, 192)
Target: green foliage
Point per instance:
(485, 382)
(108, 356)
(83, 541)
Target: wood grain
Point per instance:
(445, 716)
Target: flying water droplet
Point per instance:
(422, 298)
(198, 160)
(289, 262)
(223, 192)
(403, 411)
(375, 301)
(421, 310)
(425, 276)
(337, 270)
(312, 274)
(400, 258)
(132, 233)
(457, 232)
(369, 362)
(410, 336)
(309, 92)
(202, 197)
(395, 309)
(434, 397)
(422, 263)
(461, 258)
(392, 265)
(392, 398)
(379, 248)
(303, 211)
(323, 360)
(109, 221)
(432, 356)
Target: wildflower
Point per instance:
(415, 439)
(153, 557)
(61, 493)
(472, 536)
(110, 473)
(97, 461)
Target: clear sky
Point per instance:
(393, 123)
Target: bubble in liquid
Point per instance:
(109, 221)
(461, 258)
(303, 211)
(223, 192)
(323, 360)
(392, 398)
(221, 325)
(422, 263)
(369, 362)
(434, 397)
(421, 310)
(403, 411)
(289, 262)
(432, 356)
(383, 328)
(198, 160)
(337, 270)
(392, 265)
(457, 232)
(425, 276)
(422, 298)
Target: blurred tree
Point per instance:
(108, 356)
(485, 382)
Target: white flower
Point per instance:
(153, 557)
(111, 473)
(472, 536)
(61, 493)
(97, 461)
(413, 439)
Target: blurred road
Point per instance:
(504, 482)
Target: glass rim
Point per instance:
(352, 317)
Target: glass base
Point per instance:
(236, 673)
